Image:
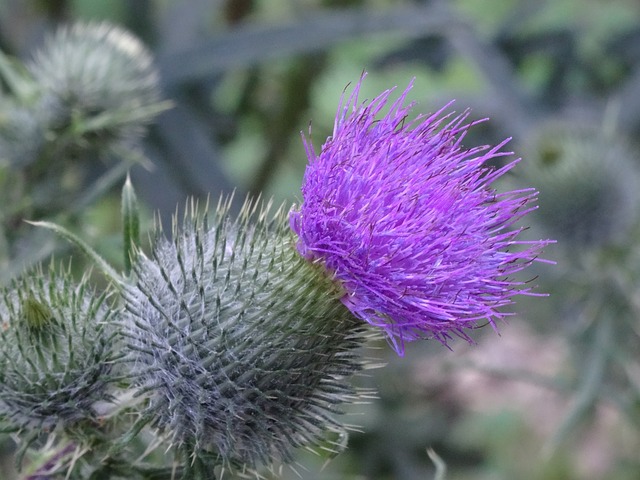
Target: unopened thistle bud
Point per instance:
(98, 79)
(57, 351)
(241, 345)
(588, 183)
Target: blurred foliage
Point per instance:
(559, 399)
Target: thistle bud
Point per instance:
(241, 345)
(57, 351)
(97, 79)
(588, 183)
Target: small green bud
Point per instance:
(36, 314)
(57, 351)
(242, 346)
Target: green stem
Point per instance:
(589, 391)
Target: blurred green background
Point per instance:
(557, 394)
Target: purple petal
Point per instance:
(406, 219)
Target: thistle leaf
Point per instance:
(131, 223)
(18, 80)
(102, 264)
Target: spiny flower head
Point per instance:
(407, 221)
(58, 349)
(588, 183)
(241, 357)
(99, 78)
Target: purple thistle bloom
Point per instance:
(406, 220)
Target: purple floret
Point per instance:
(406, 220)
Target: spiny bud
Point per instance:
(57, 351)
(97, 78)
(587, 180)
(241, 345)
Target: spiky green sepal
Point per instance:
(57, 351)
(242, 346)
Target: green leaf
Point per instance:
(131, 223)
(102, 264)
(17, 79)
(111, 118)
(592, 383)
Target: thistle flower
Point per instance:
(57, 351)
(99, 79)
(241, 358)
(406, 220)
